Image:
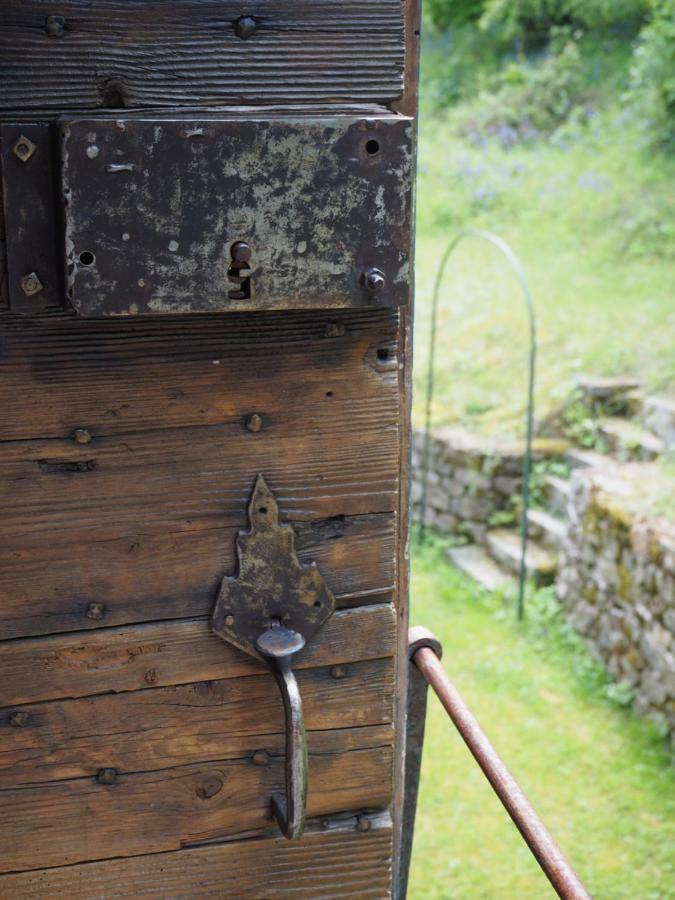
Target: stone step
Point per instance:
(544, 527)
(628, 441)
(658, 415)
(608, 390)
(557, 492)
(504, 547)
(474, 561)
(587, 459)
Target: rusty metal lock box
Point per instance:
(205, 327)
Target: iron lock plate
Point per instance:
(154, 208)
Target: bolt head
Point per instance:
(254, 423)
(55, 26)
(23, 148)
(245, 26)
(31, 284)
(240, 252)
(373, 280)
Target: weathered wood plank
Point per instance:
(115, 377)
(168, 653)
(48, 586)
(333, 866)
(66, 822)
(171, 726)
(115, 53)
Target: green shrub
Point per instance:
(444, 13)
(652, 82)
(531, 21)
(526, 100)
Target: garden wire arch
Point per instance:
(518, 270)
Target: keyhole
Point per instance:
(239, 271)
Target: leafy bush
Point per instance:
(532, 20)
(444, 13)
(652, 88)
(526, 100)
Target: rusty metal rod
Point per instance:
(550, 857)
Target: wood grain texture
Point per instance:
(141, 53)
(169, 653)
(65, 822)
(266, 869)
(171, 726)
(142, 519)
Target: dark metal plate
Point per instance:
(33, 276)
(271, 587)
(154, 207)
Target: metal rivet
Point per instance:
(106, 776)
(335, 329)
(19, 719)
(209, 787)
(338, 672)
(95, 610)
(240, 252)
(254, 423)
(82, 436)
(30, 284)
(362, 823)
(373, 280)
(55, 26)
(23, 148)
(245, 26)
(260, 758)
(229, 621)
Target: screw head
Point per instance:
(23, 148)
(55, 26)
(240, 252)
(106, 776)
(19, 718)
(31, 284)
(373, 280)
(362, 823)
(95, 611)
(254, 423)
(335, 329)
(245, 26)
(229, 621)
(260, 758)
(82, 436)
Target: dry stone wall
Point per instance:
(616, 581)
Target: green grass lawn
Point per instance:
(601, 779)
(591, 214)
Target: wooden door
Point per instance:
(138, 751)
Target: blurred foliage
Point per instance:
(652, 76)
(531, 62)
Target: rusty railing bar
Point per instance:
(550, 857)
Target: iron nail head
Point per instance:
(31, 284)
(23, 148)
(245, 26)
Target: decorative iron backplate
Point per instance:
(271, 587)
(155, 210)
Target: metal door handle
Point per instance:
(278, 645)
(271, 608)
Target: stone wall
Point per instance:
(616, 581)
(471, 479)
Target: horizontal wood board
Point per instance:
(334, 865)
(142, 518)
(140, 53)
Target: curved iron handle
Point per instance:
(278, 646)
